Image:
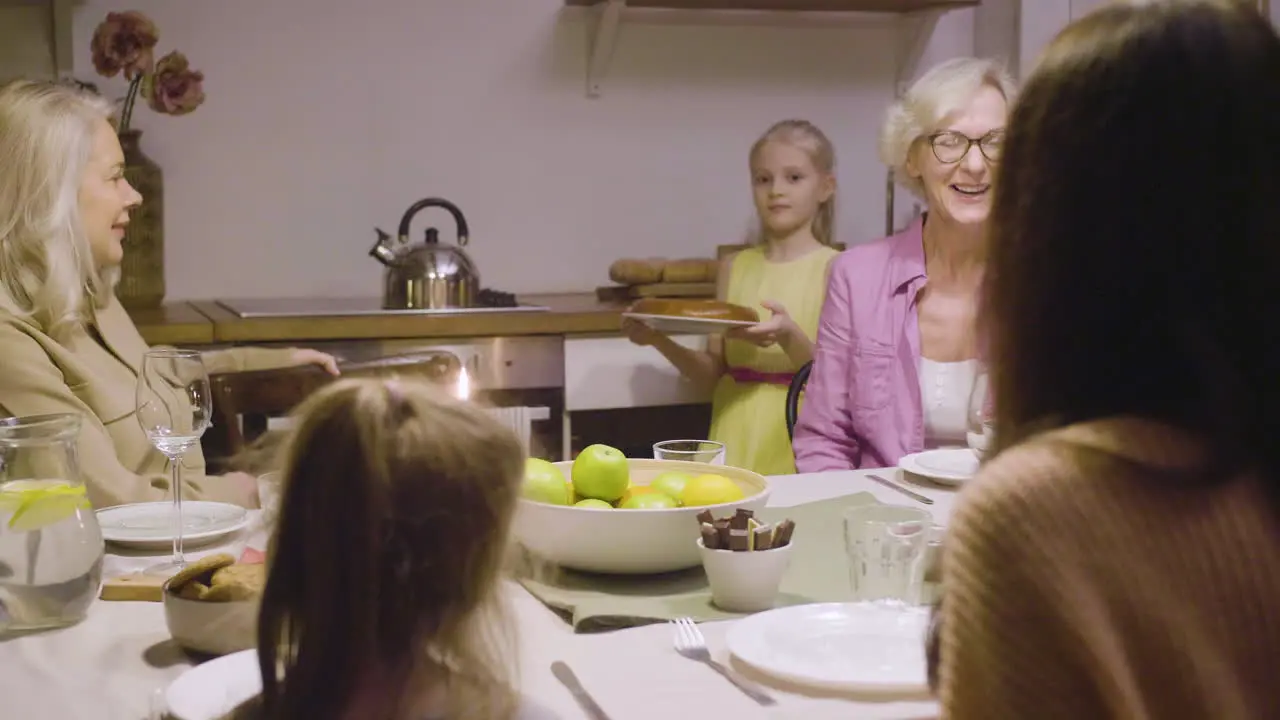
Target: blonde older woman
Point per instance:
(896, 351)
(66, 345)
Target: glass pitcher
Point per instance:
(50, 544)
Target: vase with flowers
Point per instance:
(125, 44)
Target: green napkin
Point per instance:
(818, 573)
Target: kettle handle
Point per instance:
(463, 232)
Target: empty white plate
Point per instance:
(211, 690)
(693, 326)
(952, 466)
(868, 647)
(150, 525)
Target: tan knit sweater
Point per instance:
(1084, 577)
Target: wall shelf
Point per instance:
(879, 6)
(919, 18)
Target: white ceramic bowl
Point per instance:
(213, 628)
(629, 542)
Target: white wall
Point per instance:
(328, 117)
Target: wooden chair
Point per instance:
(244, 401)
(798, 381)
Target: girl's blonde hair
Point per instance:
(47, 271)
(386, 557)
(942, 91)
(806, 136)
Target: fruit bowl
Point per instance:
(629, 541)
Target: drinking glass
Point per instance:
(981, 423)
(174, 408)
(703, 451)
(931, 567)
(886, 547)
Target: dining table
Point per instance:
(114, 663)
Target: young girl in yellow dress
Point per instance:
(784, 277)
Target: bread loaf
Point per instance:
(630, 271)
(701, 309)
(713, 270)
(689, 270)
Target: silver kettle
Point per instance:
(430, 275)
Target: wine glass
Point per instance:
(174, 407)
(980, 424)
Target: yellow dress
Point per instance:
(750, 417)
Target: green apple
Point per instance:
(544, 483)
(671, 483)
(601, 472)
(593, 503)
(648, 501)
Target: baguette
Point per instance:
(689, 270)
(630, 271)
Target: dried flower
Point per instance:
(125, 41)
(173, 88)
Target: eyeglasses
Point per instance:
(950, 146)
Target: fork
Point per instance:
(690, 643)
(159, 705)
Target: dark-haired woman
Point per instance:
(1117, 557)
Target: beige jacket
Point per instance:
(39, 375)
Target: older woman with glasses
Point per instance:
(896, 353)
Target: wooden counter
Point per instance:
(177, 323)
(205, 321)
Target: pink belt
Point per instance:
(748, 375)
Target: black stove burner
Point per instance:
(489, 298)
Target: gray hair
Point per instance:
(941, 91)
(47, 273)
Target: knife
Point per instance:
(565, 675)
(909, 493)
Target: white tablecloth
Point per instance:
(107, 667)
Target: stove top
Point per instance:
(488, 301)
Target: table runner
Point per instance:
(818, 573)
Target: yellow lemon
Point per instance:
(710, 489)
(648, 501)
(633, 491)
(37, 503)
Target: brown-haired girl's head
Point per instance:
(384, 564)
(1134, 241)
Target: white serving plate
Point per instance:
(861, 647)
(150, 525)
(695, 326)
(950, 466)
(210, 690)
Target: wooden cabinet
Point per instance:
(595, 385)
(35, 39)
(604, 373)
